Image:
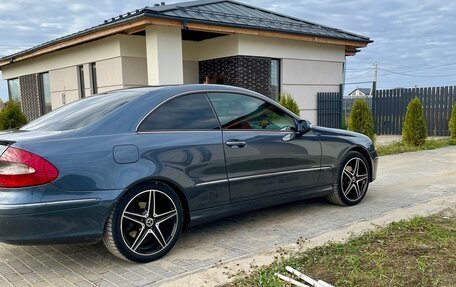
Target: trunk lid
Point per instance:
(11, 136)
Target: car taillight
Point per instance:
(20, 168)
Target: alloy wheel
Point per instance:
(354, 179)
(149, 222)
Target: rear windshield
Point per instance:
(82, 113)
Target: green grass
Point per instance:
(400, 147)
(418, 252)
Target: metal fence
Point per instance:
(390, 106)
(329, 110)
(349, 101)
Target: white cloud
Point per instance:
(406, 33)
(8, 7)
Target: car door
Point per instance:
(182, 143)
(264, 155)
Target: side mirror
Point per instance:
(303, 127)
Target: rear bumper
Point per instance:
(67, 220)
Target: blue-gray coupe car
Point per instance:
(134, 167)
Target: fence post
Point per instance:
(374, 105)
(341, 104)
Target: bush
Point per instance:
(453, 123)
(345, 121)
(287, 101)
(11, 116)
(414, 129)
(361, 119)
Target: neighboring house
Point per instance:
(206, 41)
(360, 92)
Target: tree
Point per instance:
(453, 123)
(414, 131)
(11, 116)
(287, 101)
(361, 119)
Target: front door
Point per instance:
(264, 155)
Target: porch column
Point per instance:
(164, 55)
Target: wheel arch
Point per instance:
(171, 184)
(366, 154)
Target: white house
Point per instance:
(360, 93)
(212, 41)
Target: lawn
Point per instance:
(400, 147)
(418, 252)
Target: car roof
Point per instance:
(173, 89)
(152, 96)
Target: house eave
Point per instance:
(138, 22)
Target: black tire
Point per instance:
(130, 221)
(338, 196)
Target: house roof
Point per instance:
(366, 91)
(215, 12)
(233, 13)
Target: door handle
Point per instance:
(235, 144)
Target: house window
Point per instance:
(81, 81)
(14, 90)
(93, 74)
(275, 79)
(45, 93)
(217, 80)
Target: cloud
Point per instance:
(407, 34)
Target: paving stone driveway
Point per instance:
(403, 180)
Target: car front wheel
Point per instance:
(145, 223)
(351, 180)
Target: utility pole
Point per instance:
(374, 83)
(374, 93)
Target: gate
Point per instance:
(329, 110)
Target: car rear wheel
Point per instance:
(145, 224)
(351, 180)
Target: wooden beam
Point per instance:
(281, 35)
(138, 25)
(127, 27)
(351, 51)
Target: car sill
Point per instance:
(235, 179)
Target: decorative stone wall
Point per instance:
(30, 96)
(248, 72)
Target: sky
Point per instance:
(414, 40)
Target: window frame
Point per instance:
(269, 100)
(93, 78)
(179, 130)
(279, 77)
(206, 92)
(10, 97)
(81, 82)
(42, 96)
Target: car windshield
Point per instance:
(81, 113)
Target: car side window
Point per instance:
(239, 112)
(189, 112)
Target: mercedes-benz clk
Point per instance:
(134, 167)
